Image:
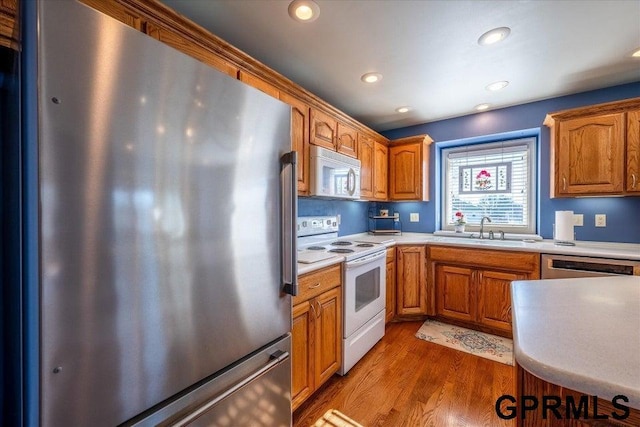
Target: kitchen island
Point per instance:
(578, 335)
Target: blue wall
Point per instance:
(353, 214)
(623, 214)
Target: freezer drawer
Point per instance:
(255, 392)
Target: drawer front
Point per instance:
(315, 283)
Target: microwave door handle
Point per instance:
(351, 178)
(289, 214)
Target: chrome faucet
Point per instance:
(482, 226)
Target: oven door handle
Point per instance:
(367, 259)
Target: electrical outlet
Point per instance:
(414, 217)
(578, 220)
(601, 220)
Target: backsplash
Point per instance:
(353, 214)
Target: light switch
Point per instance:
(414, 217)
(601, 220)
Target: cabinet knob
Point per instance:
(633, 181)
(564, 183)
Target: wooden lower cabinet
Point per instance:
(390, 304)
(472, 286)
(455, 292)
(584, 410)
(411, 290)
(316, 332)
(494, 298)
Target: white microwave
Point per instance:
(333, 175)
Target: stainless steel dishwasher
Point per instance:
(567, 266)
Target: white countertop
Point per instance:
(583, 334)
(628, 251)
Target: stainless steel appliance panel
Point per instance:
(570, 266)
(252, 393)
(161, 217)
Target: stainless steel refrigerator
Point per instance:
(166, 245)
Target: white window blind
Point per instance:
(493, 179)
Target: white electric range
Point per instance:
(363, 283)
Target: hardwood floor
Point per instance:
(405, 381)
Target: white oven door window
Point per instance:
(364, 293)
(367, 288)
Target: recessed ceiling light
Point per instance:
(497, 85)
(304, 10)
(403, 109)
(482, 107)
(636, 54)
(494, 36)
(371, 77)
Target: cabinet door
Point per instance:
(323, 130)
(302, 353)
(411, 281)
(9, 24)
(633, 151)
(590, 155)
(365, 154)
(494, 298)
(391, 291)
(328, 334)
(380, 168)
(258, 83)
(406, 172)
(300, 139)
(190, 47)
(347, 142)
(455, 292)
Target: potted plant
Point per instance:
(459, 222)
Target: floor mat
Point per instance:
(481, 344)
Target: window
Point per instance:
(494, 179)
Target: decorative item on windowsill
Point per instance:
(459, 222)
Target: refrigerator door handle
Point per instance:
(289, 217)
(274, 360)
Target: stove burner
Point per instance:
(341, 251)
(365, 245)
(316, 248)
(341, 243)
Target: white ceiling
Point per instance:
(428, 53)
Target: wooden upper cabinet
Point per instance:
(366, 156)
(380, 168)
(323, 130)
(590, 155)
(633, 151)
(191, 48)
(594, 150)
(9, 24)
(169, 33)
(299, 138)
(118, 11)
(347, 142)
(258, 83)
(409, 168)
